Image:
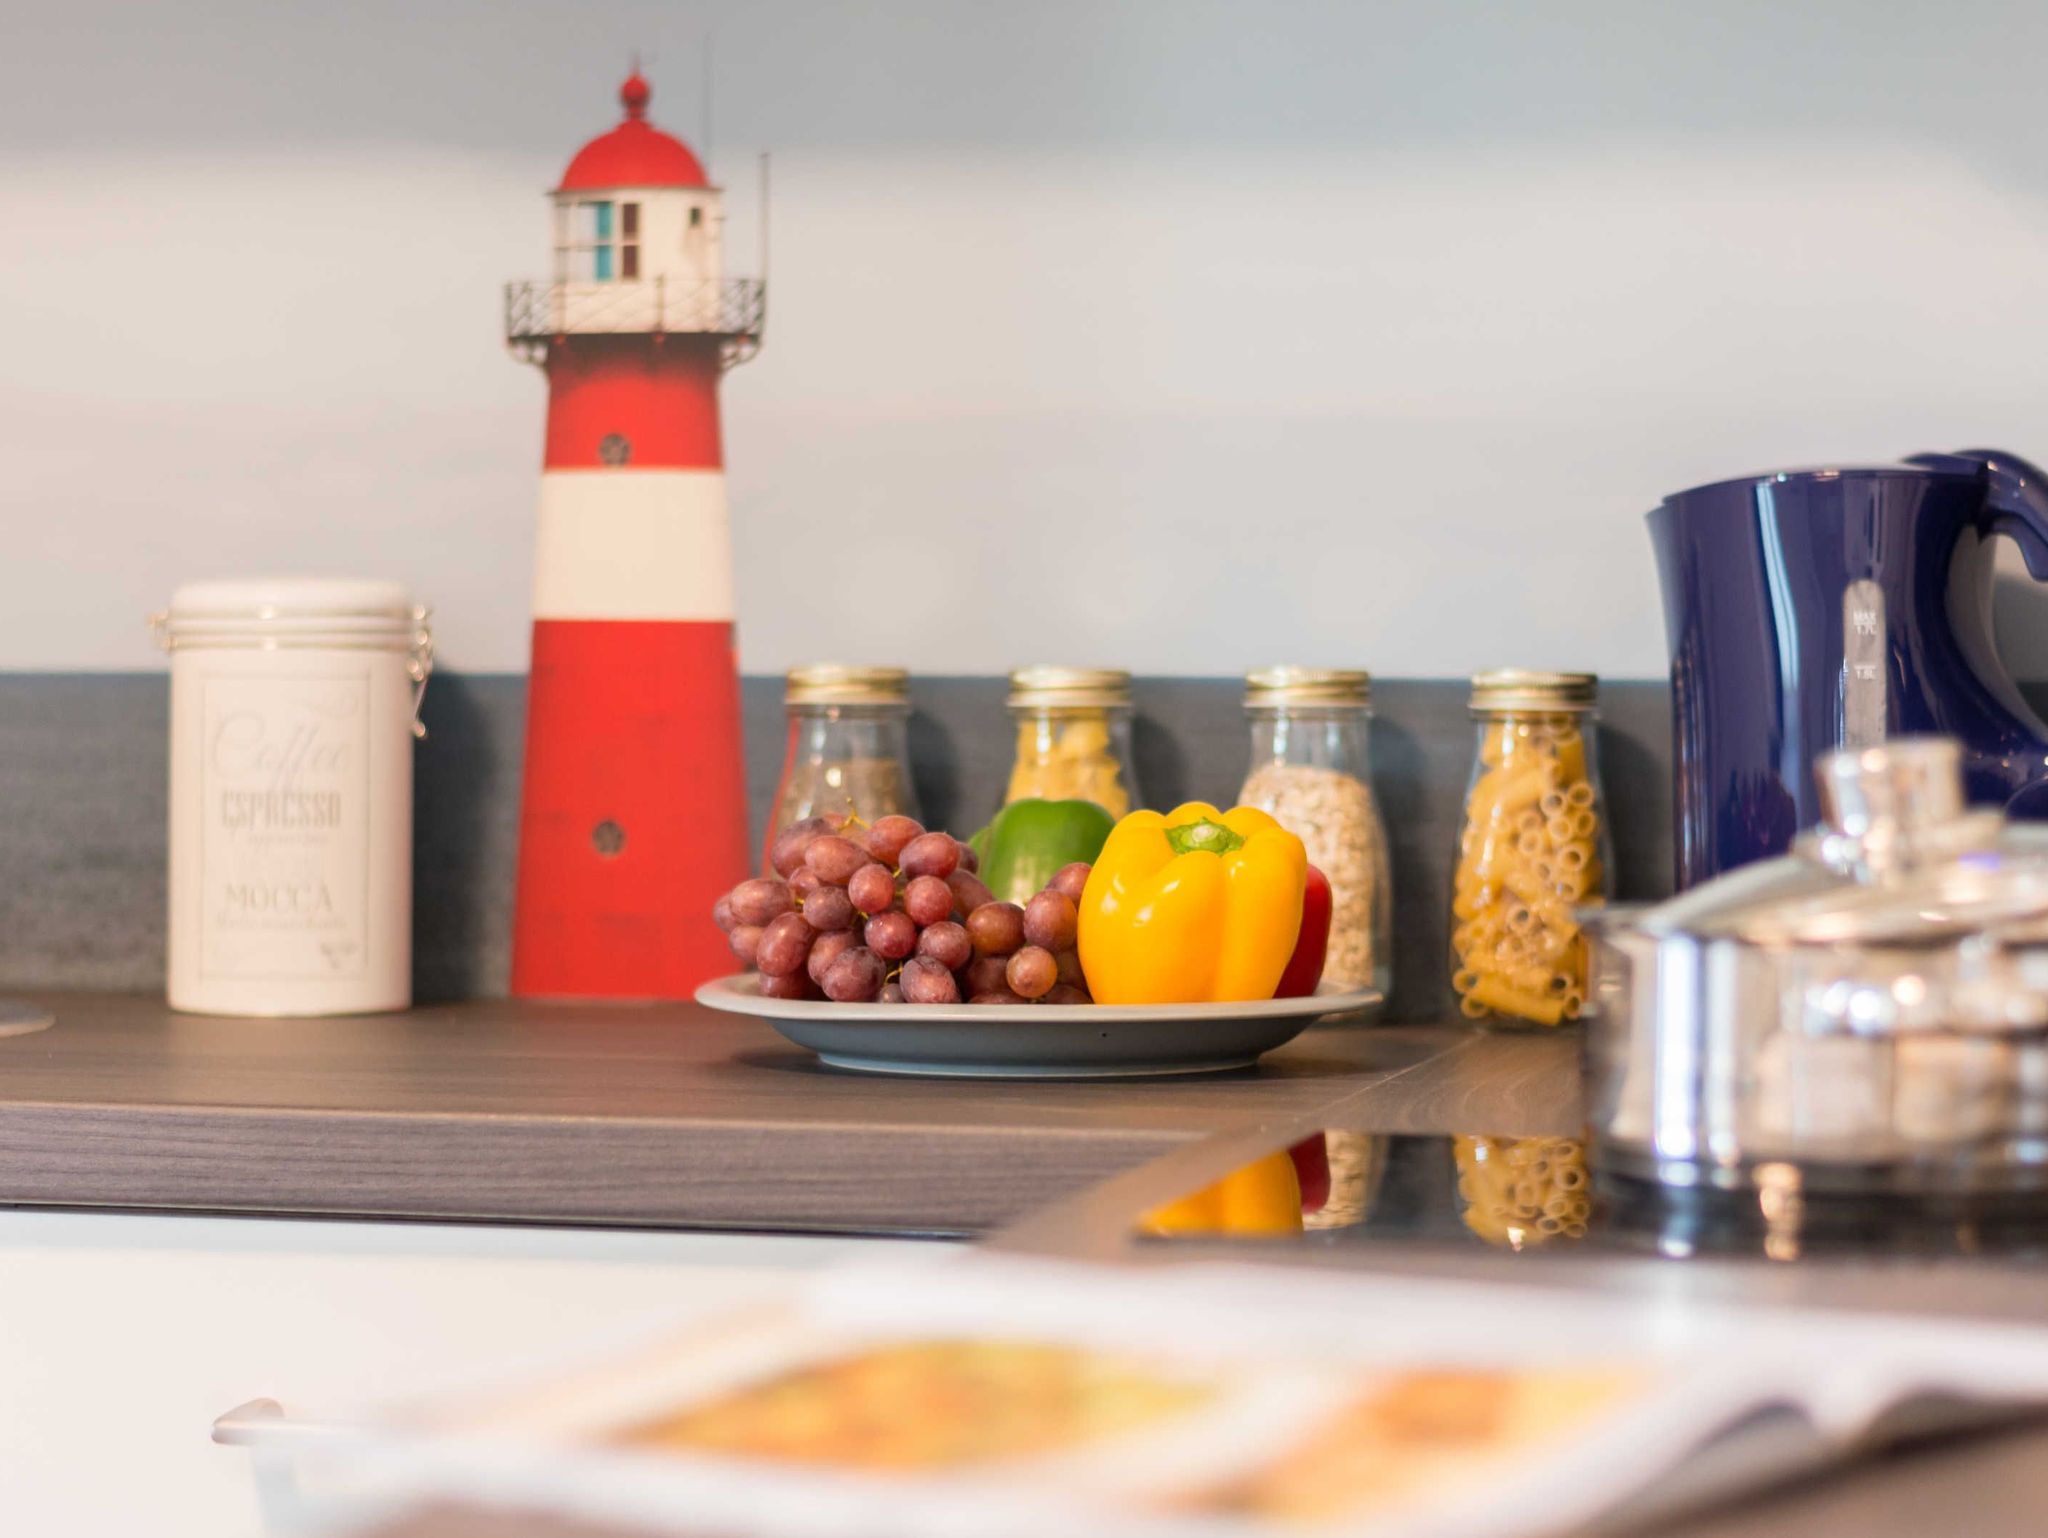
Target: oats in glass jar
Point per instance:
(1336, 819)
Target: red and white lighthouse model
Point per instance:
(633, 817)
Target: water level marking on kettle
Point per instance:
(1863, 665)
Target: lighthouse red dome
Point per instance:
(635, 154)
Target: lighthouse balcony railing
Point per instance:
(730, 307)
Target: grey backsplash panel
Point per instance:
(82, 784)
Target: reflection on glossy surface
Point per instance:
(1327, 1180)
(1536, 1196)
(1262, 1198)
(1355, 1163)
(1519, 1192)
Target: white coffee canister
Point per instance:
(294, 705)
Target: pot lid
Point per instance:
(1899, 860)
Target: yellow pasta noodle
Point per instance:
(1496, 993)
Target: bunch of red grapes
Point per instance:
(890, 913)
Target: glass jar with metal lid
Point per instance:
(1311, 768)
(849, 750)
(1533, 850)
(1073, 729)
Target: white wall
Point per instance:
(1367, 337)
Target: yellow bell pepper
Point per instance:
(1262, 1198)
(1192, 906)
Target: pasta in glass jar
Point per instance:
(1532, 850)
(1073, 737)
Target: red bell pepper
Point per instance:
(1305, 966)
(1311, 1158)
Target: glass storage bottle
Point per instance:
(1533, 850)
(849, 751)
(1073, 728)
(1311, 768)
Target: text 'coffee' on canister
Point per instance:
(294, 705)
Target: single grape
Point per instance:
(969, 892)
(986, 974)
(759, 900)
(794, 986)
(834, 859)
(783, 945)
(930, 854)
(892, 936)
(745, 940)
(872, 888)
(1051, 920)
(1032, 972)
(855, 978)
(829, 908)
(1070, 969)
(928, 900)
(997, 996)
(722, 914)
(803, 883)
(825, 950)
(886, 837)
(1066, 993)
(925, 981)
(947, 944)
(969, 860)
(1070, 881)
(787, 855)
(996, 928)
(892, 993)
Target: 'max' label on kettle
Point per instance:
(1863, 665)
(284, 844)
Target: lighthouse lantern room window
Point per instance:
(598, 241)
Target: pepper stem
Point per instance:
(1205, 836)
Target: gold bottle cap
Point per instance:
(1268, 687)
(831, 683)
(1511, 689)
(1050, 688)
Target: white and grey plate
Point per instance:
(1036, 1041)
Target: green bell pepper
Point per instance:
(1027, 843)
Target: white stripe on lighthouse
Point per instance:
(633, 544)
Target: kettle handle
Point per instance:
(2015, 498)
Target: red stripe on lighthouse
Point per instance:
(633, 820)
(651, 399)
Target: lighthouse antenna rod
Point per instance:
(764, 219)
(707, 98)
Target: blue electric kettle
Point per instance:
(1814, 609)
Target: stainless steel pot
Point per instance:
(1867, 1014)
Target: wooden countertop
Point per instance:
(655, 1114)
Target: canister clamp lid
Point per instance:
(286, 613)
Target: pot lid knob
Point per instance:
(1899, 786)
